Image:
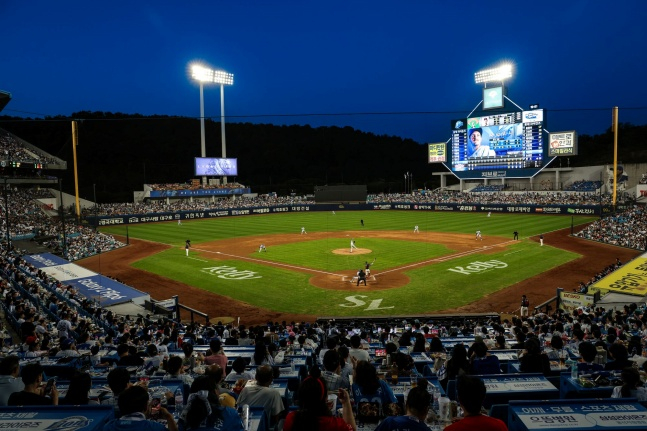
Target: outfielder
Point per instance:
(187, 246)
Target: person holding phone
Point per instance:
(34, 393)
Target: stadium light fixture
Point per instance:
(203, 75)
(496, 74)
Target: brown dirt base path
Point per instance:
(595, 257)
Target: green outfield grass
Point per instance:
(436, 286)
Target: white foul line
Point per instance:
(266, 262)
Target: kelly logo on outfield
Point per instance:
(230, 273)
(476, 267)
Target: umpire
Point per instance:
(361, 276)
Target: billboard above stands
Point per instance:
(198, 192)
(562, 144)
(216, 167)
(630, 278)
(437, 153)
(89, 284)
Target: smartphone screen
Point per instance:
(48, 387)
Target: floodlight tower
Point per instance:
(495, 74)
(204, 74)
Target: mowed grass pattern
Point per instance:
(431, 288)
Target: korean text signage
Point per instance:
(630, 278)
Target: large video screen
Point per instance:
(500, 145)
(216, 167)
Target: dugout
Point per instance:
(340, 194)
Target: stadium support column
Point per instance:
(75, 142)
(615, 156)
(222, 126)
(62, 210)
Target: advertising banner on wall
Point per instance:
(89, 284)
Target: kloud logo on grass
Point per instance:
(230, 273)
(476, 267)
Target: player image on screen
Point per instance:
(475, 146)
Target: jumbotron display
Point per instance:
(216, 167)
(498, 145)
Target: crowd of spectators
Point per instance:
(584, 286)
(52, 319)
(625, 229)
(583, 186)
(532, 198)
(28, 217)
(12, 150)
(160, 206)
(187, 186)
(489, 188)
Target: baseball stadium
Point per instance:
(203, 280)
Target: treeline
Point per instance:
(118, 153)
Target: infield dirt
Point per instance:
(595, 257)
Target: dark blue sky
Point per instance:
(577, 58)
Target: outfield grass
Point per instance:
(433, 287)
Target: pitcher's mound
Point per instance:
(355, 251)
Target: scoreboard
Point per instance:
(498, 145)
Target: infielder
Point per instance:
(187, 246)
(303, 231)
(262, 248)
(478, 235)
(415, 229)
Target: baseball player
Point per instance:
(367, 267)
(478, 235)
(415, 229)
(352, 245)
(262, 248)
(187, 246)
(303, 230)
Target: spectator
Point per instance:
(356, 350)
(126, 359)
(533, 360)
(78, 390)
(454, 367)
(9, 380)
(134, 407)
(238, 371)
(482, 362)
(33, 394)
(261, 395)
(332, 372)
(620, 358)
(216, 356)
(588, 352)
(314, 413)
(417, 407)
(175, 370)
(632, 386)
(203, 409)
(471, 393)
(373, 396)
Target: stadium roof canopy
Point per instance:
(5, 97)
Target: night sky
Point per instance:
(402, 68)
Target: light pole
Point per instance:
(204, 74)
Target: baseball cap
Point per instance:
(67, 343)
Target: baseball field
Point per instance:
(443, 267)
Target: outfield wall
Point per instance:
(467, 207)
